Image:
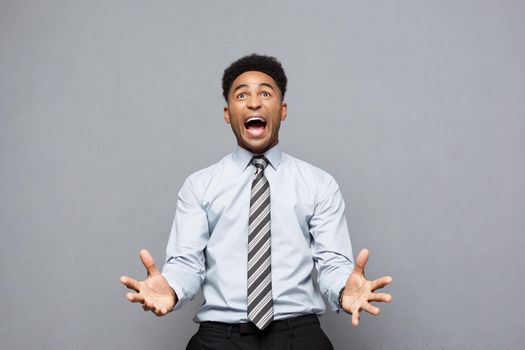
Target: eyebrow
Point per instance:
(246, 85)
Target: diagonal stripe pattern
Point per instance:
(260, 302)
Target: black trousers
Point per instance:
(303, 332)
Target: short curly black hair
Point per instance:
(254, 62)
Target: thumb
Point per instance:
(148, 262)
(360, 262)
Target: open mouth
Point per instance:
(255, 125)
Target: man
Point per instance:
(251, 228)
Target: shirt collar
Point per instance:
(242, 157)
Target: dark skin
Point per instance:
(154, 293)
(256, 95)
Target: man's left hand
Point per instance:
(359, 292)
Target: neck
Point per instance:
(258, 150)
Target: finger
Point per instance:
(159, 313)
(381, 282)
(135, 297)
(355, 318)
(148, 262)
(130, 283)
(147, 306)
(371, 309)
(360, 262)
(382, 297)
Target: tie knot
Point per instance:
(260, 162)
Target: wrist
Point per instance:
(175, 298)
(340, 303)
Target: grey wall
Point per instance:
(416, 107)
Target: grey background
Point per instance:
(416, 108)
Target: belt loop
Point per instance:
(290, 329)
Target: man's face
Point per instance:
(255, 111)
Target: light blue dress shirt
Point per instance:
(209, 238)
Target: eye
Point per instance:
(266, 94)
(241, 96)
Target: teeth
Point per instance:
(255, 118)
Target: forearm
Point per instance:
(185, 282)
(332, 278)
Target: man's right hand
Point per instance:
(154, 293)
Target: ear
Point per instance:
(284, 111)
(226, 115)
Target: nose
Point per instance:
(254, 102)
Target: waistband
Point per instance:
(249, 328)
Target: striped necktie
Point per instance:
(260, 303)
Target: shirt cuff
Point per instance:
(334, 292)
(182, 298)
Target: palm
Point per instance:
(154, 292)
(357, 288)
(157, 291)
(359, 291)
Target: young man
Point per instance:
(251, 228)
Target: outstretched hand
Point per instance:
(359, 292)
(154, 293)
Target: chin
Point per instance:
(258, 148)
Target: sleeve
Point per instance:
(184, 265)
(331, 247)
